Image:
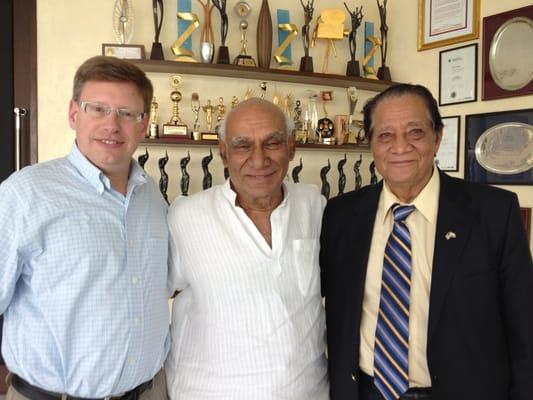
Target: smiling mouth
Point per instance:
(107, 141)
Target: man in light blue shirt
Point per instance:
(83, 250)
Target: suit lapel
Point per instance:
(454, 223)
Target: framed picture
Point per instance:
(444, 22)
(448, 155)
(125, 51)
(458, 75)
(498, 147)
(508, 54)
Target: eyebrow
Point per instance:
(241, 140)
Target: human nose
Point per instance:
(401, 144)
(258, 158)
(112, 121)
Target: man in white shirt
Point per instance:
(249, 321)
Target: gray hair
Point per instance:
(289, 124)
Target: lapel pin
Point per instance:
(450, 235)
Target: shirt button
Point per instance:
(354, 377)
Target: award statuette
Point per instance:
(357, 172)
(185, 177)
(175, 127)
(243, 10)
(163, 181)
(342, 175)
(352, 68)
(306, 63)
(330, 26)
(296, 171)
(123, 28)
(143, 158)
(221, 112)
(207, 181)
(223, 51)
(209, 109)
(383, 71)
(325, 127)
(157, 49)
(340, 123)
(373, 177)
(325, 184)
(300, 131)
(353, 95)
(311, 116)
(207, 42)
(153, 127)
(195, 106)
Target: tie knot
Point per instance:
(401, 212)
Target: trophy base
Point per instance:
(306, 64)
(207, 52)
(384, 74)
(352, 68)
(245, 61)
(210, 136)
(223, 55)
(196, 136)
(153, 132)
(157, 52)
(176, 131)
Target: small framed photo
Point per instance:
(445, 22)
(448, 155)
(498, 147)
(124, 51)
(458, 75)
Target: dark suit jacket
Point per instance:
(480, 334)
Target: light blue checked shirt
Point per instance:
(83, 278)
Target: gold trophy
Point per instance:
(326, 128)
(195, 106)
(175, 127)
(209, 109)
(153, 127)
(243, 10)
(330, 26)
(221, 112)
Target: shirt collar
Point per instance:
(426, 202)
(95, 176)
(231, 195)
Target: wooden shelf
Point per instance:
(278, 75)
(206, 143)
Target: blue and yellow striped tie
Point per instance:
(391, 348)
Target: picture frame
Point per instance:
(124, 51)
(478, 124)
(458, 75)
(447, 158)
(438, 28)
(505, 35)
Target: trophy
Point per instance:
(207, 181)
(356, 170)
(296, 171)
(383, 71)
(352, 68)
(325, 127)
(300, 133)
(153, 127)
(287, 32)
(330, 26)
(123, 29)
(185, 178)
(195, 107)
(143, 158)
(175, 127)
(221, 112)
(306, 63)
(325, 184)
(340, 123)
(223, 51)
(352, 94)
(163, 181)
(243, 10)
(373, 177)
(157, 49)
(234, 102)
(342, 175)
(207, 42)
(311, 116)
(208, 109)
(183, 53)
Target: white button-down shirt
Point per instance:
(249, 322)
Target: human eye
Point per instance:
(416, 132)
(384, 136)
(128, 115)
(273, 144)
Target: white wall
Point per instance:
(71, 31)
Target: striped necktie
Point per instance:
(391, 347)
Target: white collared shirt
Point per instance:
(249, 322)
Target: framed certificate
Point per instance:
(448, 155)
(458, 75)
(445, 22)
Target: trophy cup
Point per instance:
(209, 109)
(207, 181)
(143, 158)
(325, 184)
(195, 106)
(153, 127)
(243, 10)
(223, 51)
(296, 171)
(383, 71)
(175, 127)
(352, 68)
(325, 127)
(207, 42)
(157, 49)
(342, 175)
(306, 63)
(356, 170)
(163, 181)
(373, 177)
(185, 177)
(123, 28)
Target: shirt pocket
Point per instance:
(305, 258)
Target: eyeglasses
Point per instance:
(100, 111)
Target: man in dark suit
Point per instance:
(428, 280)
